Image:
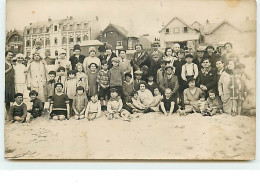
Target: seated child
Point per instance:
(202, 104)
(80, 103)
(18, 111)
(37, 106)
(115, 105)
(156, 100)
(151, 84)
(168, 104)
(128, 88)
(213, 104)
(93, 109)
(135, 103)
(249, 104)
(59, 108)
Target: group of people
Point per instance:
(184, 81)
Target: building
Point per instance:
(14, 41)
(118, 37)
(146, 40)
(60, 34)
(177, 31)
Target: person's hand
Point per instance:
(185, 79)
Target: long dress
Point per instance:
(92, 83)
(9, 83)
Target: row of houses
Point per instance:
(64, 33)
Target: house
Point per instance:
(60, 34)
(118, 37)
(14, 41)
(177, 31)
(196, 25)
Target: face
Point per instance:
(181, 55)
(108, 51)
(212, 96)
(135, 96)
(202, 99)
(205, 64)
(61, 72)
(188, 60)
(138, 77)
(163, 65)
(189, 44)
(33, 97)
(93, 67)
(228, 48)
(38, 45)
(122, 54)
(19, 59)
(176, 47)
(138, 49)
(168, 93)
(71, 76)
(169, 71)
(127, 78)
(80, 68)
(155, 47)
(92, 53)
(238, 76)
(59, 88)
(94, 99)
(114, 94)
(231, 65)
(115, 64)
(142, 87)
(51, 76)
(192, 84)
(19, 99)
(219, 65)
(150, 79)
(156, 58)
(105, 67)
(77, 52)
(37, 57)
(169, 52)
(62, 55)
(156, 91)
(210, 50)
(200, 54)
(80, 92)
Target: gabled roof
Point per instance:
(120, 29)
(195, 22)
(223, 22)
(173, 20)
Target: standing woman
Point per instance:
(140, 58)
(229, 54)
(223, 86)
(168, 56)
(9, 79)
(207, 78)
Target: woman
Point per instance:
(140, 58)
(9, 80)
(191, 96)
(209, 53)
(207, 78)
(229, 54)
(145, 96)
(223, 86)
(168, 56)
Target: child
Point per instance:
(92, 80)
(156, 100)
(63, 61)
(59, 108)
(138, 81)
(213, 104)
(151, 85)
(238, 91)
(61, 76)
(189, 70)
(128, 88)
(202, 104)
(161, 72)
(93, 109)
(135, 103)
(50, 85)
(116, 76)
(115, 105)
(80, 103)
(82, 79)
(71, 86)
(18, 111)
(168, 104)
(249, 104)
(103, 84)
(37, 106)
(20, 74)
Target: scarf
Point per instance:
(205, 71)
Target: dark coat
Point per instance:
(209, 80)
(74, 60)
(212, 59)
(109, 59)
(171, 83)
(139, 62)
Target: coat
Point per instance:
(74, 60)
(223, 86)
(171, 83)
(209, 80)
(109, 59)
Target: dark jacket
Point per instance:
(212, 59)
(74, 60)
(109, 59)
(139, 62)
(171, 83)
(209, 80)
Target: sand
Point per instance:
(151, 136)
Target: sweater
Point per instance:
(18, 110)
(80, 103)
(128, 89)
(103, 78)
(116, 76)
(189, 97)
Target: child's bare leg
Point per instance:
(76, 117)
(82, 116)
(55, 117)
(28, 118)
(61, 117)
(17, 118)
(213, 112)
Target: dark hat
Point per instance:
(79, 88)
(168, 66)
(58, 84)
(188, 55)
(18, 94)
(33, 92)
(76, 47)
(102, 48)
(138, 72)
(128, 74)
(209, 46)
(112, 90)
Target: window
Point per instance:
(78, 39)
(33, 43)
(105, 35)
(176, 30)
(85, 25)
(64, 40)
(71, 27)
(28, 31)
(167, 30)
(47, 41)
(28, 43)
(47, 30)
(41, 30)
(71, 40)
(55, 41)
(55, 28)
(119, 43)
(56, 53)
(78, 26)
(85, 37)
(185, 29)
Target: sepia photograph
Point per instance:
(130, 79)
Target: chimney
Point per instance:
(49, 19)
(207, 21)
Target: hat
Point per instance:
(62, 51)
(200, 49)
(112, 90)
(76, 47)
(188, 56)
(115, 59)
(209, 46)
(108, 46)
(33, 92)
(168, 66)
(138, 72)
(18, 94)
(102, 48)
(19, 55)
(92, 48)
(155, 43)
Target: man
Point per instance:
(124, 63)
(155, 50)
(109, 55)
(198, 59)
(176, 49)
(190, 48)
(76, 57)
(9, 80)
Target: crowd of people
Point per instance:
(182, 80)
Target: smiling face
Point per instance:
(80, 68)
(219, 65)
(169, 52)
(33, 97)
(205, 64)
(212, 96)
(93, 67)
(114, 94)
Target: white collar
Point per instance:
(17, 104)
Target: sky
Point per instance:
(142, 16)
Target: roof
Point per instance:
(173, 20)
(209, 28)
(223, 22)
(91, 43)
(181, 38)
(247, 26)
(120, 29)
(195, 22)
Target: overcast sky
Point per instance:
(143, 15)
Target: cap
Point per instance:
(138, 72)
